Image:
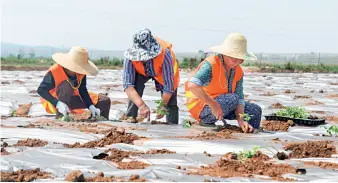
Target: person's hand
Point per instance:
(62, 108)
(95, 111)
(245, 126)
(163, 110)
(216, 110)
(144, 111)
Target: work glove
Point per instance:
(62, 108)
(95, 111)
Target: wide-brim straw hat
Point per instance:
(235, 45)
(77, 61)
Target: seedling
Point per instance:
(13, 113)
(246, 117)
(244, 155)
(294, 112)
(332, 130)
(187, 123)
(160, 109)
(66, 118)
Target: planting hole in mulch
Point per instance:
(277, 125)
(302, 97)
(323, 149)
(24, 175)
(114, 136)
(4, 152)
(132, 165)
(226, 167)
(289, 91)
(31, 143)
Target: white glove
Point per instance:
(95, 111)
(62, 108)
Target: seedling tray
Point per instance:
(304, 122)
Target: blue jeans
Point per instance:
(228, 103)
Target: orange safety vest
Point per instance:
(158, 60)
(60, 76)
(217, 86)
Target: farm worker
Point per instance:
(151, 58)
(215, 89)
(63, 89)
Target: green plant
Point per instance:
(293, 112)
(332, 130)
(160, 109)
(100, 118)
(13, 113)
(246, 117)
(66, 118)
(244, 155)
(187, 123)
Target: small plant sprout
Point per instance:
(245, 117)
(187, 123)
(160, 109)
(244, 155)
(332, 130)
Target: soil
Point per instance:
(277, 106)
(23, 110)
(24, 175)
(31, 143)
(117, 155)
(132, 165)
(114, 136)
(289, 91)
(81, 117)
(124, 118)
(332, 83)
(154, 122)
(223, 133)
(332, 118)
(268, 94)
(4, 82)
(33, 91)
(4, 152)
(321, 164)
(77, 176)
(282, 156)
(18, 82)
(257, 165)
(276, 140)
(302, 96)
(276, 125)
(315, 102)
(332, 96)
(160, 151)
(323, 149)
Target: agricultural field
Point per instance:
(36, 146)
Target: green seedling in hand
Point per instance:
(160, 109)
(245, 117)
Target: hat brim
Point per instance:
(139, 54)
(245, 56)
(65, 60)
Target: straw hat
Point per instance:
(77, 61)
(234, 45)
(145, 47)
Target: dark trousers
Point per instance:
(65, 94)
(172, 107)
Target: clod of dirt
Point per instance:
(207, 154)
(333, 83)
(314, 102)
(33, 91)
(136, 178)
(289, 91)
(268, 94)
(323, 149)
(4, 144)
(24, 175)
(5, 82)
(276, 139)
(332, 118)
(321, 164)
(132, 165)
(160, 151)
(275, 125)
(230, 156)
(222, 133)
(234, 168)
(115, 135)
(332, 96)
(117, 155)
(75, 176)
(23, 110)
(178, 167)
(277, 106)
(4, 152)
(154, 122)
(81, 117)
(302, 97)
(321, 91)
(282, 156)
(31, 143)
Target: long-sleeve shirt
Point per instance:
(48, 83)
(167, 69)
(204, 76)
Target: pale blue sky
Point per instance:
(270, 26)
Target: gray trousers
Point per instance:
(172, 107)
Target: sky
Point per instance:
(288, 26)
